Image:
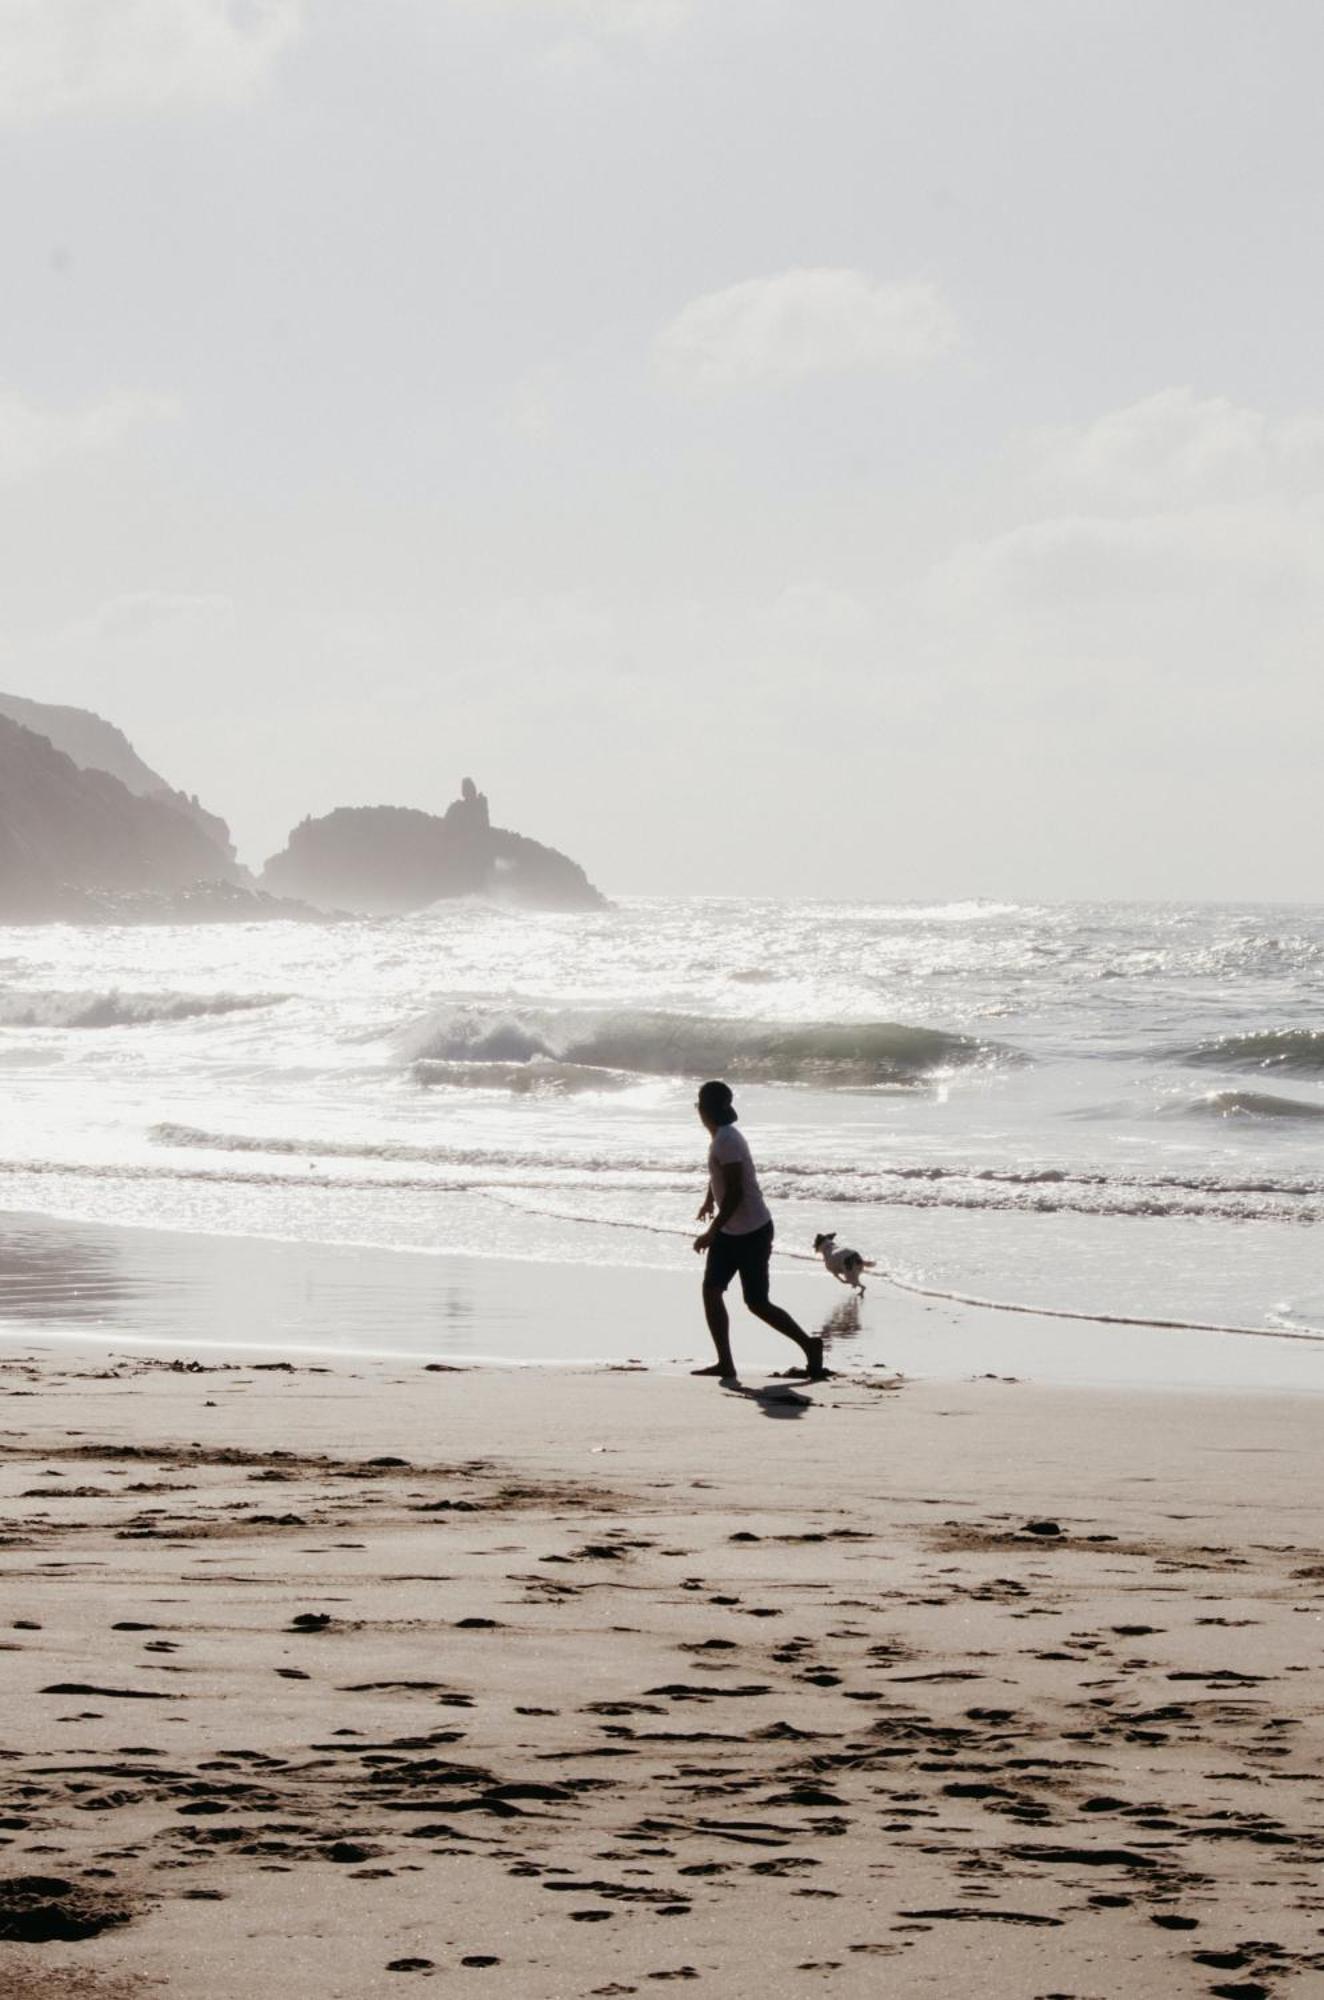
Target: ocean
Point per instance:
(1108, 1111)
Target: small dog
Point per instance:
(845, 1265)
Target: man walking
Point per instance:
(738, 1239)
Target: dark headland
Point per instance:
(90, 833)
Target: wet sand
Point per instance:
(181, 1292)
(342, 1680)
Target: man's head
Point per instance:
(715, 1105)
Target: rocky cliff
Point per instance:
(89, 832)
(386, 860)
(97, 745)
(71, 837)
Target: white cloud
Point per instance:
(33, 438)
(1083, 564)
(648, 18)
(534, 406)
(1188, 530)
(1176, 448)
(567, 625)
(816, 613)
(59, 56)
(139, 614)
(806, 321)
(618, 20)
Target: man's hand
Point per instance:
(702, 1243)
(706, 1207)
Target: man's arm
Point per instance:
(733, 1193)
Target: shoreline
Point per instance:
(134, 1288)
(321, 1679)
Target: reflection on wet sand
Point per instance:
(843, 1322)
(54, 1271)
(153, 1285)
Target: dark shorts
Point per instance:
(747, 1255)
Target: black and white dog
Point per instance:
(845, 1265)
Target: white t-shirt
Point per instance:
(729, 1148)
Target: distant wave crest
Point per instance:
(114, 1009)
(1293, 1051)
(841, 1055)
(495, 1160)
(1251, 1104)
(193, 1137)
(592, 1177)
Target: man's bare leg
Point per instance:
(719, 1326)
(809, 1344)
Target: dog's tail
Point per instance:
(868, 1263)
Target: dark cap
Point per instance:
(715, 1101)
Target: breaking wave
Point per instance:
(539, 1077)
(846, 1055)
(1293, 1051)
(114, 1009)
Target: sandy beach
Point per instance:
(330, 1679)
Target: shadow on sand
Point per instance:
(773, 1402)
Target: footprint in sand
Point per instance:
(43, 1909)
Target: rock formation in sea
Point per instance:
(387, 860)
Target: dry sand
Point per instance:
(346, 1681)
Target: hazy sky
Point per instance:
(861, 447)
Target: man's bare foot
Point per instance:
(814, 1369)
(722, 1374)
